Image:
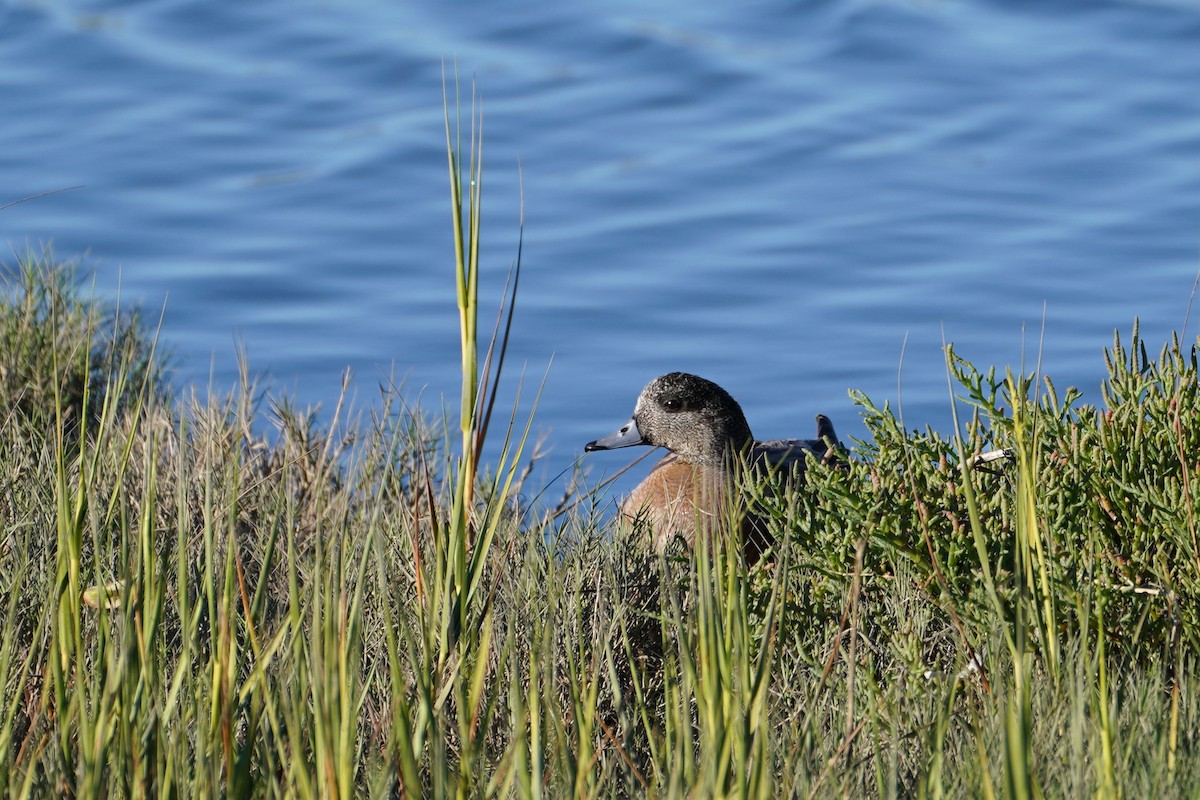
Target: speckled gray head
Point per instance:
(690, 416)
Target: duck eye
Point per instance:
(673, 404)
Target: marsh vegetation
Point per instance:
(223, 594)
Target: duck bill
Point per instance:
(627, 436)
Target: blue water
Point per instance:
(782, 197)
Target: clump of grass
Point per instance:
(57, 345)
(353, 605)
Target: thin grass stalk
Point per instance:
(295, 706)
(67, 703)
(760, 678)
(143, 611)
(140, 667)
(456, 540)
(466, 254)
(229, 658)
(1176, 678)
(644, 727)
(508, 465)
(932, 781)
(403, 750)
(450, 649)
(1105, 765)
(1033, 559)
(404, 745)
(1030, 565)
(175, 706)
(978, 532)
(106, 667)
(16, 676)
(577, 749)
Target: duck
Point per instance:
(708, 439)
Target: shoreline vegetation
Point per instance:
(357, 608)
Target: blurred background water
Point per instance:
(780, 196)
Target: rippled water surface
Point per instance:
(777, 196)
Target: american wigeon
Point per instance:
(707, 434)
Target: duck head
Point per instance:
(688, 415)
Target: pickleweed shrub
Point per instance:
(1113, 495)
(1114, 491)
